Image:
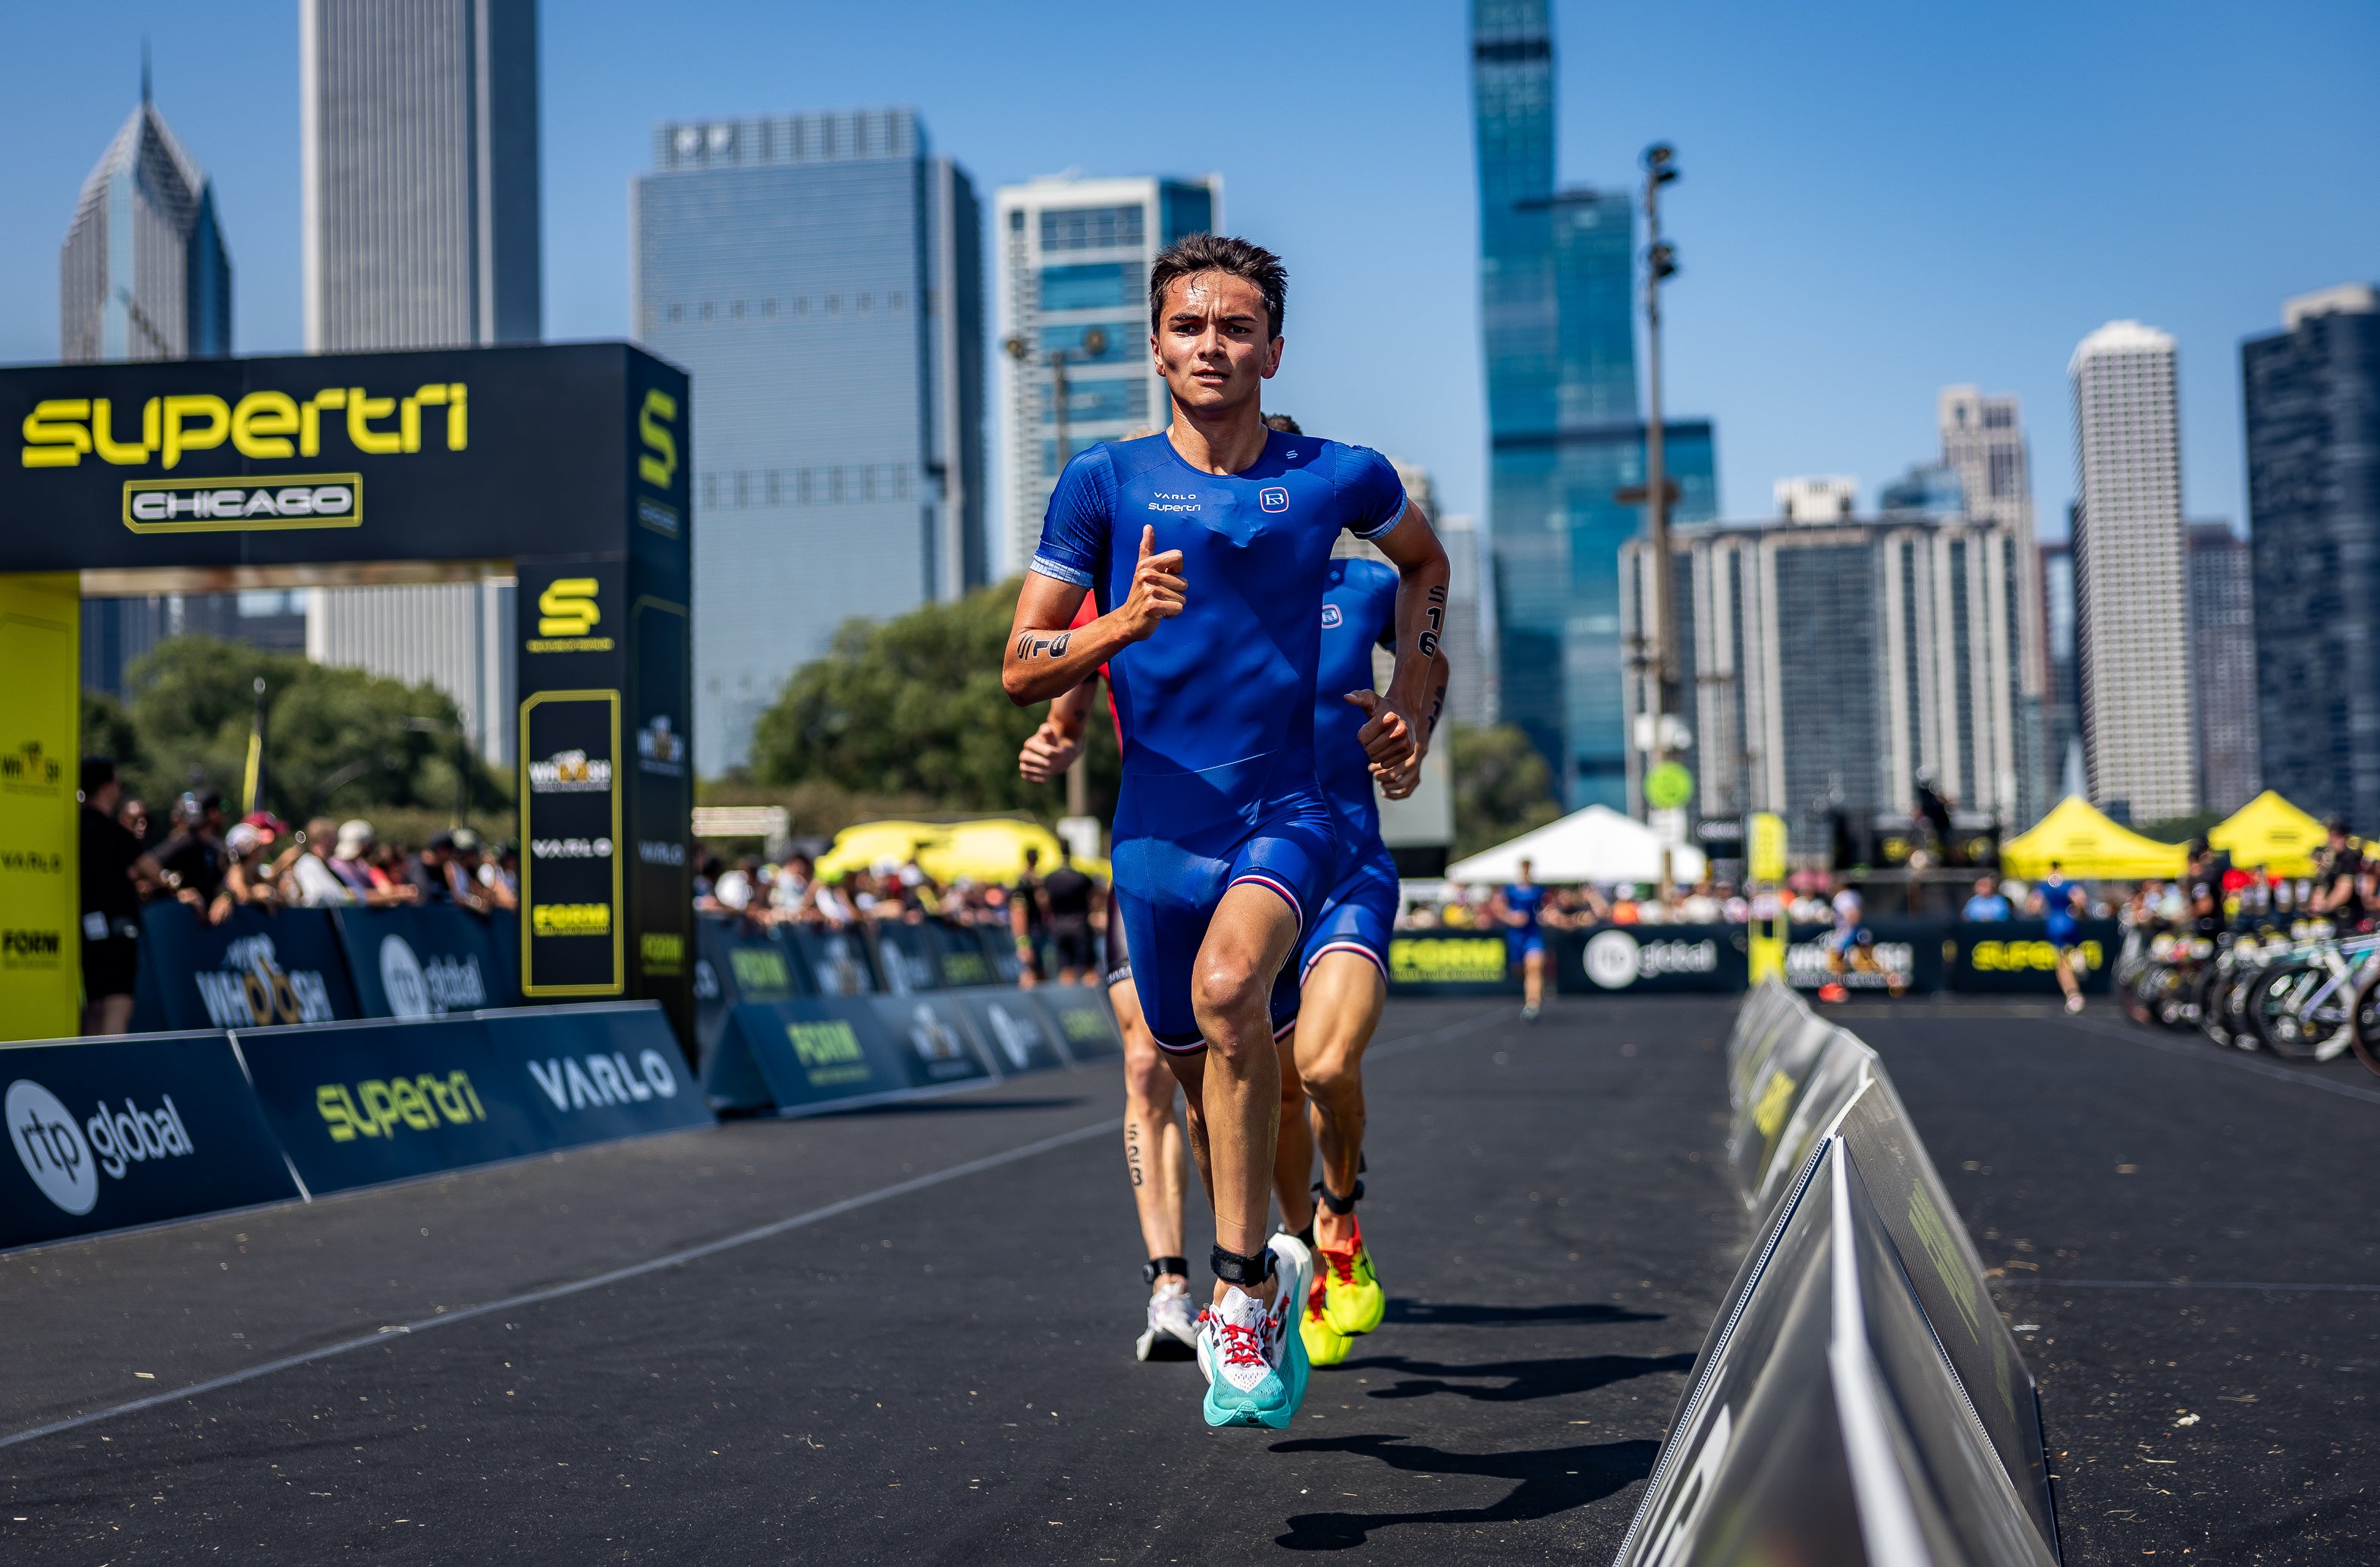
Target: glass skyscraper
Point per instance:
(1557, 271)
(1074, 255)
(821, 275)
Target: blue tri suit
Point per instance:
(1359, 613)
(1520, 940)
(1217, 706)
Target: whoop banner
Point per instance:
(254, 970)
(105, 1133)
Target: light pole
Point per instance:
(1095, 347)
(1660, 264)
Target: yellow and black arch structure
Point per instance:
(564, 468)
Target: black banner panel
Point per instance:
(907, 957)
(839, 962)
(2017, 956)
(1903, 954)
(112, 1133)
(935, 1038)
(1017, 1035)
(573, 929)
(801, 1054)
(737, 961)
(960, 956)
(1648, 959)
(257, 969)
(423, 960)
(358, 1103)
(1083, 1018)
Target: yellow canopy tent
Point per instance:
(2088, 847)
(2270, 832)
(989, 850)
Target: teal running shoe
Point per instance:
(1252, 1353)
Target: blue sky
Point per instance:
(1880, 198)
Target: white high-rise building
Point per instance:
(1984, 443)
(419, 212)
(1072, 278)
(1827, 497)
(2130, 583)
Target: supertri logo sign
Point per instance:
(262, 426)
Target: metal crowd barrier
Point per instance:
(1858, 1396)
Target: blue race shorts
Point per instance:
(1519, 944)
(1358, 915)
(1182, 840)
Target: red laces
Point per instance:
(1242, 1346)
(1342, 1263)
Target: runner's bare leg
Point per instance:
(1341, 1006)
(1230, 987)
(1152, 1138)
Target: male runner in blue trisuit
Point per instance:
(1520, 906)
(1224, 845)
(1344, 966)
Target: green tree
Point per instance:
(914, 706)
(335, 740)
(1502, 787)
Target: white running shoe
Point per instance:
(1255, 1362)
(1171, 1334)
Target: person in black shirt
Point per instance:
(2202, 889)
(112, 863)
(1066, 894)
(192, 855)
(2339, 878)
(1025, 916)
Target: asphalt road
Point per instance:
(906, 1334)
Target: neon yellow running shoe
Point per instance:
(1324, 1344)
(1353, 1300)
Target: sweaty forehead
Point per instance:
(1213, 294)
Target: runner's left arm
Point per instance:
(1397, 735)
(1051, 749)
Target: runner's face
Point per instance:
(1210, 342)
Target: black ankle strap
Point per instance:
(1338, 1205)
(1233, 1268)
(1157, 1268)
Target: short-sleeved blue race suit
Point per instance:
(1217, 706)
(1359, 613)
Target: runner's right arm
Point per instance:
(1046, 660)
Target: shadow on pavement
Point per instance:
(1551, 1480)
(1452, 1314)
(959, 1105)
(1524, 1379)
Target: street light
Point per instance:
(1095, 347)
(1660, 266)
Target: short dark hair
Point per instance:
(1215, 252)
(97, 773)
(1283, 423)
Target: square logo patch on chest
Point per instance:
(1273, 498)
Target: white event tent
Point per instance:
(1596, 845)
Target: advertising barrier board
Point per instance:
(1648, 959)
(1905, 952)
(1017, 1035)
(2016, 955)
(1083, 1018)
(421, 960)
(111, 1133)
(1000, 952)
(839, 962)
(255, 970)
(959, 951)
(935, 1036)
(358, 1103)
(806, 1054)
(908, 958)
(1451, 962)
(736, 960)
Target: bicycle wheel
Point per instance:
(2364, 1017)
(2215, 983)
(2271, 1009)
(2138, 991)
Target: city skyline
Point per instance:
(1793, 226)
